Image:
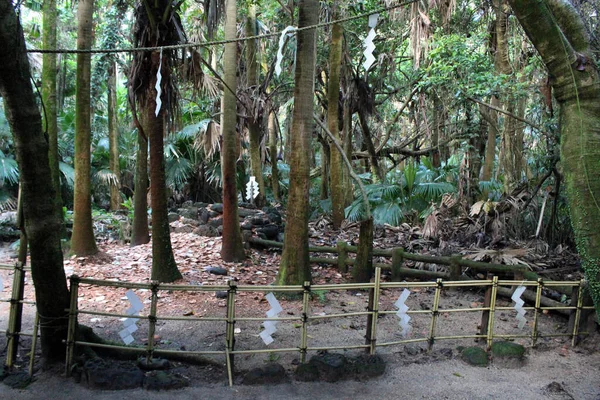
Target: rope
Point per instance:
(218, 42)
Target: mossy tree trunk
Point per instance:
(254, 125)
(274, 155)
(49, 73)
(139, 230)
(232, 248)
(333, 111)
(113, 138)
(557, 32)
(295, 266)
(83, 241)
(42, 224)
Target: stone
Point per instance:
(307, 373)
(221, 294)
(331, 366)
(217, 207)
(172, 217)
(244, 204)
(200, 204)
(475, 356)
(102, 375)
(216, 270)
(206, 230)
(191, 222)
(203, 215)
(163, 380)
(154, 364)
(368, 366)
(190, 212)
(246, 225)
(259, 221)
(183, 229)
(508, 354)
(18, 380)
(271, 373)
(244, 212)
(215, 222)
(269, 231)
(275, 218)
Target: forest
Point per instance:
(472, 125)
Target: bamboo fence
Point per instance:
(13, 331)
(488, 311)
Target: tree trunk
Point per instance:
(82, 240)
(274, 155)
(333, 100)
(139, 230)
(232, 248)
(363, 268)
(349, 192)
(253, 119)
(113, 138)
(49, 72)
(164, 268)
(295, 266)
(557, 32)
(41, 222)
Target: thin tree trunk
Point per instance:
(349, 192)
(232, 248)
(139, 230)
(253, 120)
(295, 266)
(113, 137)
(41, 222)
(82, 240)
(333, 100)
(273, 153)
(49, 73)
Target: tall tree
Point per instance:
(295, 266)
(41, 221)
(49, 73)
(157, 24)
(232, 248)
(557, 32)
(113, 137)
(139, 230)
(82, 240)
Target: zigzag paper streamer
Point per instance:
(287, 31)
(516, 297)
(251, 189)
(402, 309)
(158, 87)
(369, 45)
(130, 324)
(271, 326)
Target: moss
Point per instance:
(475, 356)
(507, 349)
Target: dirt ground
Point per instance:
(552, 370)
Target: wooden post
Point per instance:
(487, 301)
(434, 314)
(538, 299)
(72, 324)
(152, 322)
(397, 261)
(304, 334)
(371, 335)
(36, 323)
(342, 256)
(490, 330)
(16, 314)
(230, 332)
(577, 313)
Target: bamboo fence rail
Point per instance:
(13, 331)
(488, 311)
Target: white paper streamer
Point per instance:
(270, 326)
(516, 297)
(369, 45)
(130, 324)
(158, 87)
(288, 31)
(251, 189)
(402, 309)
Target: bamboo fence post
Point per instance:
(342, 256)
(304, 335)
(397, 261)
(371, 334)
(36, 322)
(485, 315)
(490, 332)
(72, 323)
(577, 313)
(538, 299)
(230, 332)
(15, 316)
(434, 313)
(152, 322)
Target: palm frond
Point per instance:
(68, 174)
(106, 177)
(9, 170)
(388, 213)
(433, 190)
(177, 171)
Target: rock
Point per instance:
(221, 294)
(187, 221)
(445, 353)
(183, 229)
(475, 356)
(269, 231)
(112, 376)
(187, 203)
(556, 391)
(368, 366)
(206, 230)
(275, 218)
(412, 350)
(215, 222)
(271, 373)
(172, 217)
(244, 212)
(216, 270)
(18, 380)
(259, 221)
(190, 212)
(162, 380)
(244, 204)
(246, 235)
(203, 215)
(508, 354)
(217, 207)
(307, 373)
(200, 204)
(331, 366)
(246, 225)
(154, 364)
